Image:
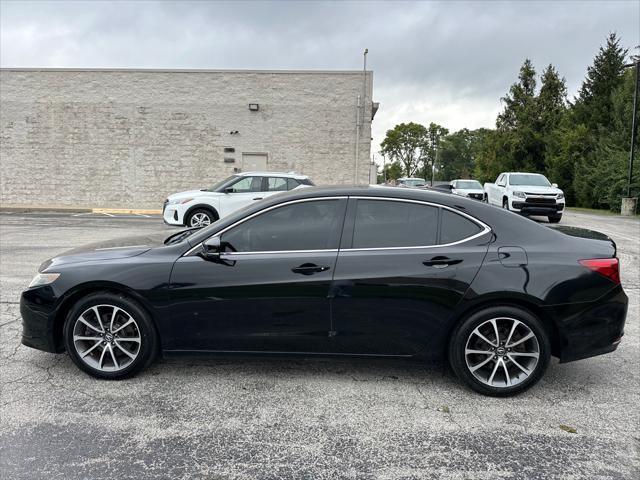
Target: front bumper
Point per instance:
(173, 214)
(37, 308)
(590, 329)
(528, 207)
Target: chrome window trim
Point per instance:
(273, 207)
(485, 228)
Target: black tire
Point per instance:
(505, 203)
(144, 326)
(554, 218)
(463, 332)
(200, 213)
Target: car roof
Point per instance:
(271, 174)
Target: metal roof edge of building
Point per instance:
(177, 70)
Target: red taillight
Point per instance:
(608, 267)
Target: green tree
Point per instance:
(594, 105)
(405, 144)
(431, 148)
(458, 153)
(390, 171)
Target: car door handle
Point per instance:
(258, 198)
(309, 269)
(441, 262)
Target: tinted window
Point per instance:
(302, 226)
(456, 227)
(382, 223)
(276, 184)
(292, 183)
(247, 184)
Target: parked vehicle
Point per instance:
(199, 208)
(411, 182)
(348, 271)
(528, 194)
(468, 188)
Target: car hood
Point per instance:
(192, 194)
(106, 250)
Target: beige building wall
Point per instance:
(128, 138)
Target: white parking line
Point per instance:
(107, 214)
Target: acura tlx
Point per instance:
(348, 271)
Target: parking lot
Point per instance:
(302, 418)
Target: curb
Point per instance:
(57, 209)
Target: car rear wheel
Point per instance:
(500, 351)
(554, 218)
(110, 336)
(200, 218)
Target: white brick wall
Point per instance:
(127, 138)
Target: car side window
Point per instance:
(500, 181)
(246, 185)
(276, 184)
(311, 225)
(455, 227)
(292, 183)
(385, 223)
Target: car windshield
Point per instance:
(413, 182)
(529, 179)
(468, 185)
(220, 184)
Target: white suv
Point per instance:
(199, 208)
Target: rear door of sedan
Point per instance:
(269, 290)
(402, 269)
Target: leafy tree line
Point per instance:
(581, 145)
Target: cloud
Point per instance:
(447, 62)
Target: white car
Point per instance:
(467, 188)
(527, 194)
(199, 208)
(411, 182)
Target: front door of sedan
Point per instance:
(269, 289)
(402, 269)
(240, 194)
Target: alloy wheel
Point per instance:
(502, 352)
(106, 338)
(200, 220)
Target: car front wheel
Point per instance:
(500, 351)
(554, 218)
(110, 336)
(200, 218)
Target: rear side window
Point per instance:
(383, 223)
(306, 181)
(292, 183)
(276, 184)
(455, 227)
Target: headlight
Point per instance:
(560, 196)
(176, 202)
(519, 194)
(43, 279)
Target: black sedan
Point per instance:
(340, 271)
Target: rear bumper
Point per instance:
(590, 329)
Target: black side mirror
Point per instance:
(211, 248)
(228, 190)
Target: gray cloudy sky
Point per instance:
(446, 62)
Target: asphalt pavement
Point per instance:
(302, 418)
